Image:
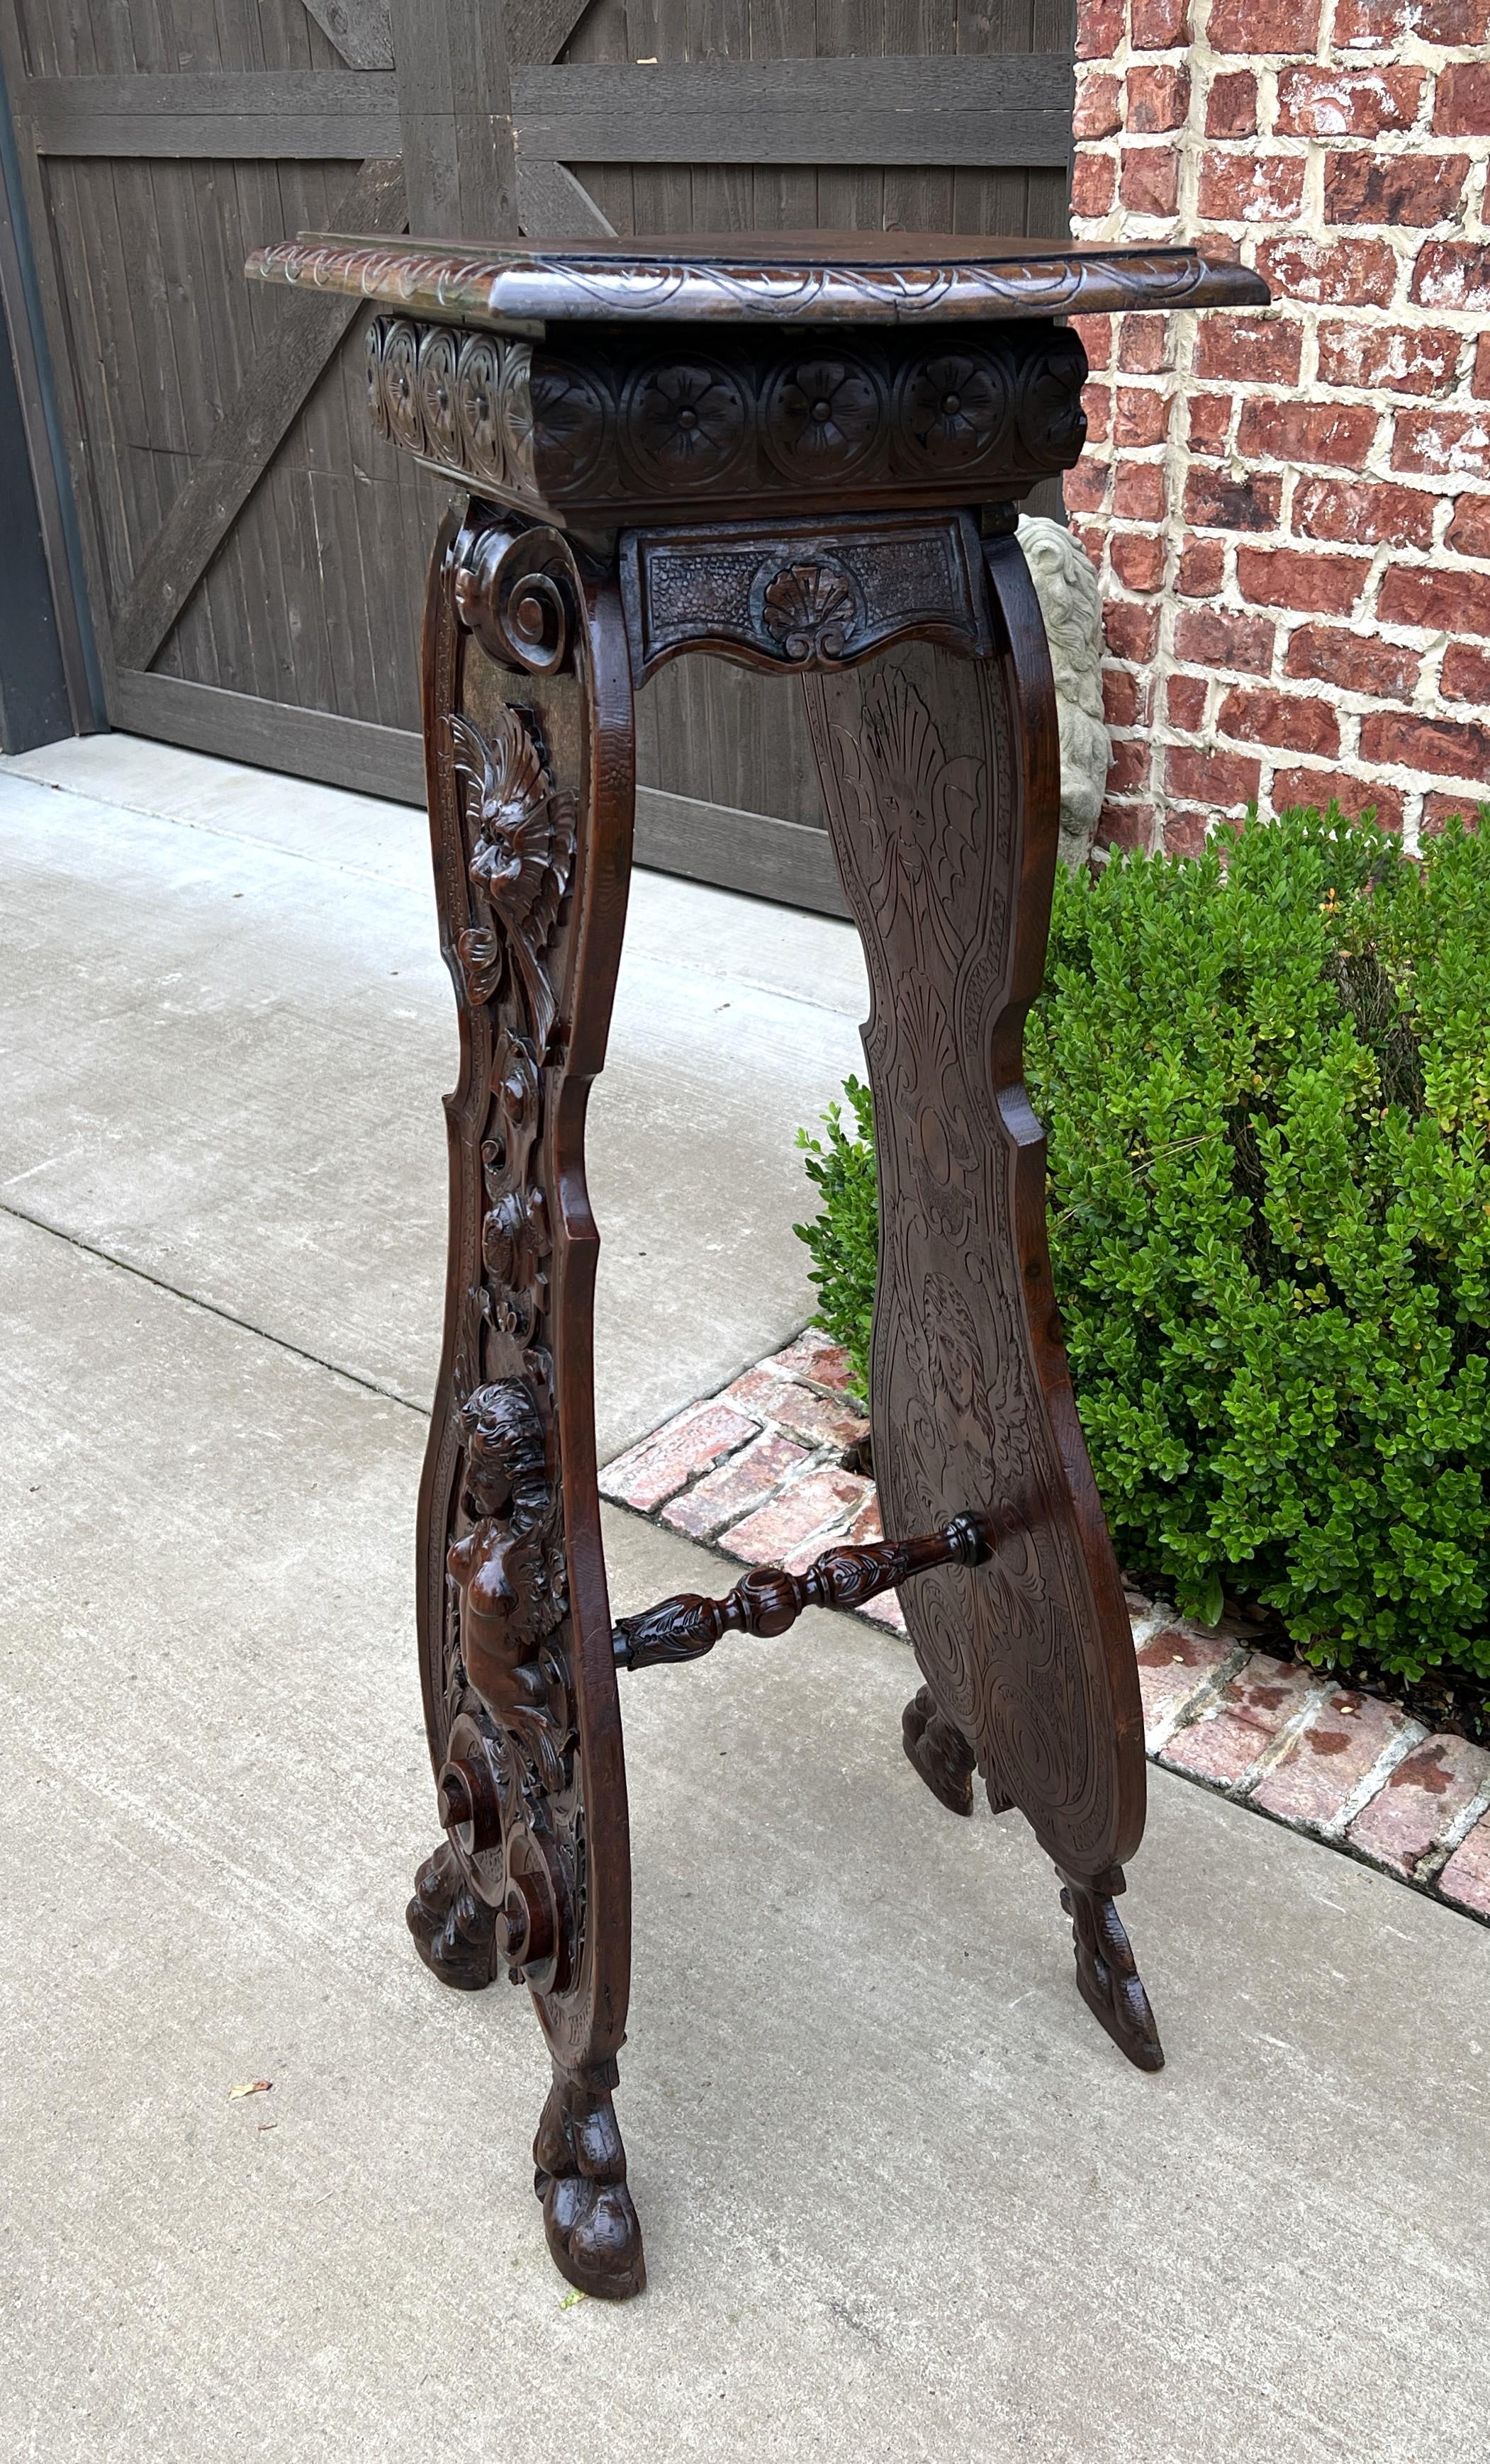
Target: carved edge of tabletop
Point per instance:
(535, 286)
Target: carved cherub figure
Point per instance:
(509, 1567)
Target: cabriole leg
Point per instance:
(528, 747)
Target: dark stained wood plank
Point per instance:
(360, 28)
(539, 30)
(1004, 109)
(455, 115)
(246, 438)
(854, 110)
(552, 204)
(335, 114)
(274, 735)
(750, 851)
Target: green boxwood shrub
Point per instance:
(1265, 1077)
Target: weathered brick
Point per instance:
(1479, 376)
(818, 1502)
(1368, 24)
(1341, 433)
(1469, 531)
(1120, 824)
(1093, 185)
(1186, 829)
(1334, 274)
(1219, 779)
(1131, 629)
(1354, 796)
(675, 1454)
(1084, 489)
(1453, 274)
(734, 1487)
(1096, 404)
(1210, 422)
(1465, 674)
(1438, 810)
(1449, 444)
(1141, 415)
(1322, 1767)
(1139, 492)
(823, 1421)
(1461, 99)
(815, 1356)
(1252, 1710)
(1451, 748)
(1185, 703)
(1231, 105)
(1402, 358)
(1292, 722)
(1099, 27)
(1347, 103)
(1260, 350)
(1449, 602)
(1177, 1667)
(1465, 1878)
(1355, 662)
(1158, 100)
(1250, 188)
(1313, 584)
(1214, 637)
(1137, 559)
(1126, 699)
(1129, 768)
(1363, 512)
(1215, 501)
(1146, 346)
(1201, 569)
(1426, 1795)
(1264, 25)
(867, 1527)
(1159, 25)
(1098, 107)
(1149, 180)
(1414, 189)
(1094, 336)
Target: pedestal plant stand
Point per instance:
(804, 455)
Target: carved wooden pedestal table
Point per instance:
(805, 454)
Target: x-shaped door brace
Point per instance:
(251, 429)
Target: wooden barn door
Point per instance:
(255, 555)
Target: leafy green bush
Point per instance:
(1265, 1074)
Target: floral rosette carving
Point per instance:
(810, 611)
(686, 423)
(556, 417)
(1051, 420)
(478, 396)
(823, 418)
(401, 385)
(438, 356)
(954, 408)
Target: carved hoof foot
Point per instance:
(940, 1752)
(455, 1932)
(580, 2176)
(1106, 1970)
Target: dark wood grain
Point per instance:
(244, 440)
(528, 740)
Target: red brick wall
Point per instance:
(1290, 508)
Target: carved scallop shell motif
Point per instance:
(810, 611)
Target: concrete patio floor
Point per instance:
(901, 2197)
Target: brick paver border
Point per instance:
(755, 1473)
